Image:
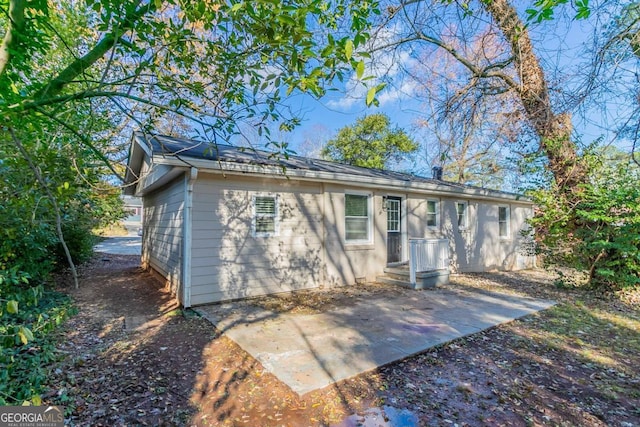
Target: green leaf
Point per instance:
(583, 9)
(12, 307)
(25, 334)
(360, 70)
(286, 19)
(348, 49)
(371, 94)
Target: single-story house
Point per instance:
(133, 206)
(222, 222)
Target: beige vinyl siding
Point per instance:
(229, 262)
(348, 263)
(417, 217)
(479, 247)
(162, 244)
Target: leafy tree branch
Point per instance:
(52, 200)
(12, 35)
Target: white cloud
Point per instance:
(385, 65)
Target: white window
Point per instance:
(393, 215)
(462, 210)
(265, 216)
(357, 218)
(504, 218)
(432, 213)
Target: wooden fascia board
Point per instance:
(158, 176)
(137, 152)
(243, 169)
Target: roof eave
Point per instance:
(137, 152)
(233, 168)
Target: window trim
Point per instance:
(369, 217)
(275, 216)
(399, 220)
(436, 213)
(507, 222)
(465, 226)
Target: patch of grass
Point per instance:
(113, 230)
(600, 335)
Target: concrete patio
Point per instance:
(312, 351)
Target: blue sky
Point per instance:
(560, 44)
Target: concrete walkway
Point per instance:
(127, 245)
(311, 351)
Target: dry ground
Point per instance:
(130, 357)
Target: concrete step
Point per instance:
(391, 281)
(403, 273)
(396, 275)
(424, 279)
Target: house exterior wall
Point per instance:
(349, 263)
(478, 247)
(229, 261)
(163, 225)
(309, 249)
(417, 214)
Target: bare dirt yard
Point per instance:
(131, 357)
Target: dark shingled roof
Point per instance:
(187, 148)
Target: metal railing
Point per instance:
(427, 255)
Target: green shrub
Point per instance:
(79, 238)
(28, 315)
(25, 243)
(600, 233)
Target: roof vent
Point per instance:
(437, 172)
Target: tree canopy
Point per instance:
(370, 142)
(77, 77)
(219, 65)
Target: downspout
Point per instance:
(324, 277)
(187, 237)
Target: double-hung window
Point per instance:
(357, 218)
(265, 216)
(462, 211)
(504, 218)
(432, 213)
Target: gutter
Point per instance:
(229, 168)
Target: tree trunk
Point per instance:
(15, 25)
(553, 129)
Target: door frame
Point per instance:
(404, 241)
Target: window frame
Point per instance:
(398, 220)
(369, 217)
(436, 213)
(507, 222)
(465, 225)
(275, 216)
